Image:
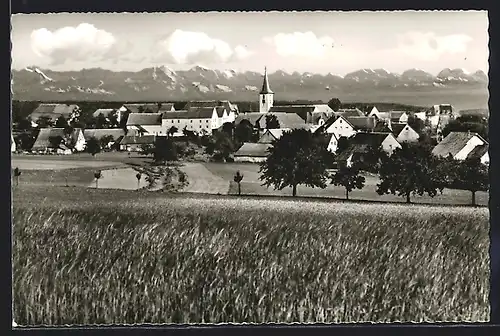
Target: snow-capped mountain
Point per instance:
(200, 82)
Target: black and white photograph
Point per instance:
(250, 167)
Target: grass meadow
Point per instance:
(85, 256)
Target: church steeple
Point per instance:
(265, 95)
(265, 85)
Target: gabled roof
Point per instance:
(454, 143)
(361, 123)
(361, 142)
(350, 112)
(272, 134)
(144, 119)
(192, 113)
(138, 140)
(212, 103)
(396, 114)
(253, 149)
(53, 111)
(252, 117)
(99, 133)
(380, 109)
(104, 112)
(316, 116)
(285, 120)
(478, 152)
(265, 84)
(220, 111)
(146, 108)
(381, 126)
(43, 139)
(166, 107)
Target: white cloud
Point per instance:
(300, 44)
(183, 47)
(429, 47)
(81, 43)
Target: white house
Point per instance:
(481, 153)
(459, 145)
(404, 132)
(201, 120)
(146, 123)
(44, 142)
(361, 143)
(333, 144)
(348, 126)
(252, 152)
(137, 108)
(398, 116)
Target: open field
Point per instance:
(49, 164)
(109, 256)
(251, 185)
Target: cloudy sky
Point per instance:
(322, 42)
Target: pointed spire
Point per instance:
(265, 85)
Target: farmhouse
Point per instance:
(459, 145)
(285, 120)
(271, 135)
(53, 111)
(45, 141)
(166, 107)
(312, 114)
(231, 109)
(378, 112)
(145, 123)
(354, 112)
(361, 143)
(404, 132)
(201, 120)
(348, 126)
(398, 116)
(252, 152)
(136, 108)
(114, 135)
(134, 143)
(105, 112)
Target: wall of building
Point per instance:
(390, 144)
(408, 135)
(341, 129)
(249, 159)
(195, 125)
(471, 144)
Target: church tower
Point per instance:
(266, 95)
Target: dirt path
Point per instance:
(201, 180)
(123, 178)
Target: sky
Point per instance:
(318, 42)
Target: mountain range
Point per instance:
(198, 83)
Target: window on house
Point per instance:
(178, 121)
(191, 120)
(263, 100)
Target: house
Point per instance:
(136, 108)
(480, 152)
(312, 114)
(398, 116)
(404, 132)
(115, 134)
(146, 123)
(75, 140)
(53, 111)
(458, 144)
(135, 143)
(223, 116)
(252, 152)
(285, 120)
(273, 134)
(362, 142)
(251, 117)
(353, 112)
(202, 120)
(232, 109)
(105, 112)
(333, 143)
(348, 126)
(439, 115)
(378, 112)
(166, 107)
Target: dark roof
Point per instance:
(350, 112)
(396, 114)
(478, 151)
(361, 142)
(252, 117)
(304, 111)
(454, 143)
(272, 134)
(99, 133)
(397, 128)
(146, 108)
(138, 140)
(286, 120)
(212, 103)
(53, 111)
(166, 107)
(220, 111)
(192, 113)
(316, 116)
(144, 119)
(265, 84)
(43, 139)
(362, 123)
(104, 112)
(382, 127)
(253, 149)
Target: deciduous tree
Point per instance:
(411, 169)
(238, 177)
(244, 132)
(349, 178)
(61, 122)
(272, 121)
(472, 175)
(164, 150)
(295, 159)
(334, 104)
(97, 176)
(93, 146)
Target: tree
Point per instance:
(371, 159)
(138, 177)
(334, 104)
(97, 176)
(411, 169)
(93, 147)
(342, 144)
(17, 173)
(172, 130)
(243, 132)
(26, 141)
(105, 140)
(164, 150)
(295, 158)
(416, 123)
(272, 121)
(223, 146)
(467, 123)
(61, 122)
(238, 177)
(113, 119)
(472, 175)
(101, 121)
(349, 178)
(24, 125)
